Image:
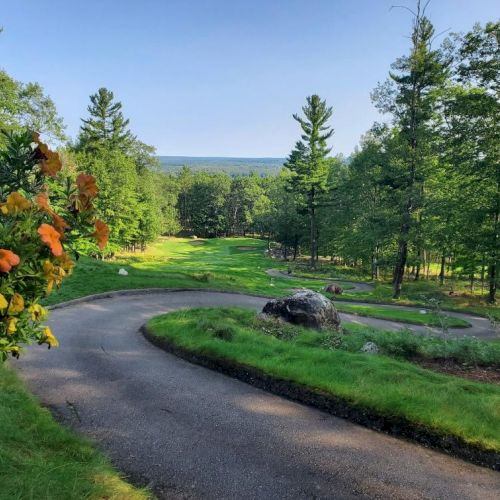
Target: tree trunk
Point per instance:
(442, 271)
(312, 214)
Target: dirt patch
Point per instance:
(246, 249)
(485, 374)
(451, 445)
(197, 243)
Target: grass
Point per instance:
(444, 404)
(401, 315)
(181, 262)
(39, 459)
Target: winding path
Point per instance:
(354, 286)
(480, 326)
(189, 432)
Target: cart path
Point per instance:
(190, 432)
(480, 326)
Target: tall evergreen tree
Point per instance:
(409, 96)
(106, 127)
(308, 162)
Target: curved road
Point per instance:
(480, 326)
(189, 432)
(357, 286)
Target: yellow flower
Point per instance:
(66, 263)
(38, 313)
(54, 275)
(11, 325)
(3, 302)
(16, 304)
(15, 203)
(50, 338)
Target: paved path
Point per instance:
(193, 433)
(355, 286)
(481, 327)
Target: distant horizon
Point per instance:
(226, 157)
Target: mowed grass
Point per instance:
(233, 264)
(39, 459)
(444, 404)
(402, 315)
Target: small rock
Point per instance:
(370, 348)
(333, 288)
(123, 272)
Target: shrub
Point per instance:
(36, 238)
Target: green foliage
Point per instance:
(106, 127)
(308, 162)
(25, 106)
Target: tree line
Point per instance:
(423, 188)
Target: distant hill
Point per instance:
(232, 166)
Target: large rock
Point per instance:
(307, 308)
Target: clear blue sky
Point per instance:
(217, 77)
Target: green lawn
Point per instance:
(236, 264)
(39, 459)
(444, 404)
(404, 316)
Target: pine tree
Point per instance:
(409, 97)
(106, 127)
(308, 162)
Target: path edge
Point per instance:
(143, 291)
(394, 426)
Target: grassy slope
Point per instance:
(41, 460)
(404, 316)
(178, 262)
(219, 263)
(442, 403)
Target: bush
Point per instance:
(36, 238)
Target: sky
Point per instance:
(218, 77)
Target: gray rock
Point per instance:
(306, 308)
(370, 348)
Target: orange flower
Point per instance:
(49, 160)
(15, 203)
(86, 185)
(59, 223)
(51, 238)
(8, 260)
(101, 233)
(42, 200)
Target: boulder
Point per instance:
(306, 308)
(333, 288)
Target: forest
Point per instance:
(418, 199)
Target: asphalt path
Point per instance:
(189, 432)
(480, 326)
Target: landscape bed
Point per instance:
(41, 459)
(456, 415)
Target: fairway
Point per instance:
(233, 264)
